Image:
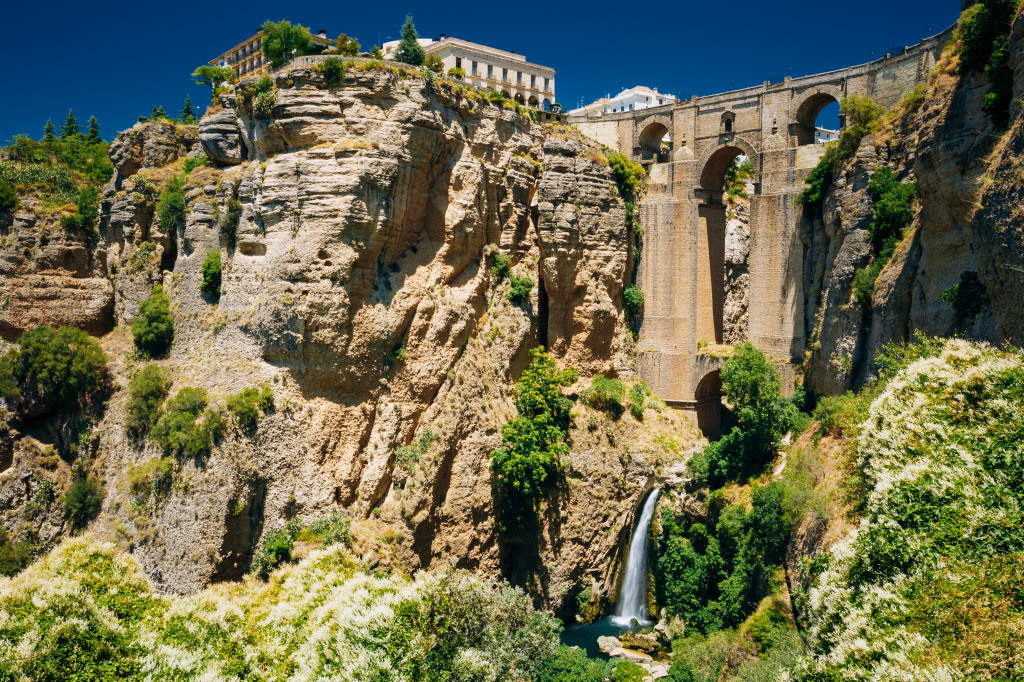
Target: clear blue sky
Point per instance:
(116, 61)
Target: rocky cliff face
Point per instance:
(357, 284)
(965, 225)
(737, 279)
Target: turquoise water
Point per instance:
(585, 636)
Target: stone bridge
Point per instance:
(682, 272)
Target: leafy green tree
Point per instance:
(88, 210)
(49, 137)
(409, 49)
(213, 76)
(753, 386)
(769, 532)
(633, 300)
(93, 136)
(434, 63)
(70, 128)
(8, 197)
(83, 501)
(153, 329)
(62, 365)
(188, 112)
(376, 52)
(281, 41)
(171, 206)
(211, 274)
(346, 46)
(533, 442)
(894, 209)
(146, 393)
(629, 176)
(186, 426)
(570, 664)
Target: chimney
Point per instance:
(441, 38)
(322, 33)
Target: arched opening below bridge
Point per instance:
(653, 135)
(708, 399)
(817, 120)
(724, 183)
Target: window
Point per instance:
(504, 75)
(631, 107)
(458, 62)
(474, 68)
(533, 81)
(490, 70)
(519, 78)
(546, 81)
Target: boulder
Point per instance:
(220, 138)
(630, 655)
(608, 644)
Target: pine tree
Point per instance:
(157, 113)
(188, 114)
(93, 135)
(70, 127)
(48, 132)
(409, 50)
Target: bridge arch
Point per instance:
(717, 158)
(806, 107)
(652, 130)
(708, 403)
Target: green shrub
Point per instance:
(229, 223)
(275, 550)
(406, 456)
(520, 290)
(249, 404)
(61, 365)
(819, 181)
(532, 443)
(14, 555)
(146, 393)
(263, 102)
(193, 162)
(153, 478)
(187, 426)
(968, 297)
(627, 671)
(502, 266)
(605, 394)
(894, 209)
(8, 197)
(83, 501)
(633, 300)
(171, 206)
(570, 664)
(637, 398)
(680, 672)
(332, 529)
(629, 176)
(153, 329)
(984, 46)
(333, 71)
(211, 274)
(88, 209)
(456, 73)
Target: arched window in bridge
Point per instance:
(728, 123)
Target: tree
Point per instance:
(281, 41)
(61, 365)
(211, 274)
(435, 64)
(70, 128)
(8, 197)
(753, 386)
(48, 132)
(213, 76)
(93, 136)
(347, 46)
(83, 500)
(153, 329)
(146, 393)
(157, 113)
(409, 49)
(376, 52)
(188, 114)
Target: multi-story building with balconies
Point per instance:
(247, 58)
(492, 69)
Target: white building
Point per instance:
(824, 135)
(492, 69)
(633, 99)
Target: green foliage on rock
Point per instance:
(187, 426)
(570, 664)
(211, 274)
(229, 223)
(434, 63)
(8, 197)
(894, 209)
(502, 266)
(520, 289)
(171, 206)
(968, 297)
(281, 40)
(406, 456)
(629, 176)
(83, 500)
(249, 404)
(984, 32)
(213, 76)
(15, 555)
(53, 366)
(146, 393)
(346, 45)
(633, 300)
(409, 50)
(605, 394)
(627, 671)
(533, 442)
(333, 70)
(153, 329)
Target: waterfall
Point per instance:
(633, 596)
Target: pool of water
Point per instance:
(585, 636)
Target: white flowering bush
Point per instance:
(942, 455)
(84, 612)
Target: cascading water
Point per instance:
(632, 602)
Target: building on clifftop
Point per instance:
(633, 99)
(247, 58)
(489, 68)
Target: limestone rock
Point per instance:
(607, 644)
(630, 655)
(221, 138)
(153, 144)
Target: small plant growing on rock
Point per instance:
(521, 288)
(633, 300)
(83, 501)
(153, 329)
(229, 223)
(211, 274)
(60, 365)
(333, 70)
(606, 395)
(8, 198)
(171, 207)
(406, 456)
(502, 266)
(187, 426)
(249, 404)
(146, 393)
